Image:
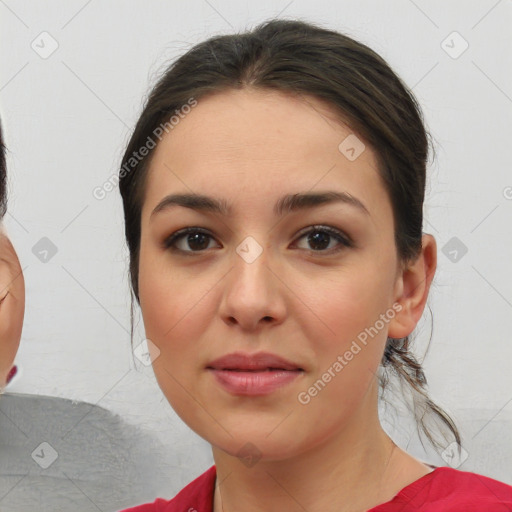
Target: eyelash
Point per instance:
(344, 240)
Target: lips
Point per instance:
(261, 361)
(254, 374)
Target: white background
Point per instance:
(67, 118)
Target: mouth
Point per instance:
(256, 374)
(254, 382)
(259, 362)
(259, 370)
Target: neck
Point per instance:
(357, 468)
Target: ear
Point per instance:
(411, 290)
(12, 306)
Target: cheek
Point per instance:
(175, 309)
(166, 304)
(347, 335)
(344, 304)
(348, 339)
(173, 317)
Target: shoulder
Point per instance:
(447, 489)
(111, 450)
(194, 497)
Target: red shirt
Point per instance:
(443, 490)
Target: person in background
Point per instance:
(12, 288)
(110, 467)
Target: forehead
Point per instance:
(251, 145)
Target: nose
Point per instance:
(253, 294)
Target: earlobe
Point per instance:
(411, 290)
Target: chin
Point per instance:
(255, 445)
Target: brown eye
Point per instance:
(320, 237)
(196, 239)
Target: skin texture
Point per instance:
(250, 147)
(12, 305)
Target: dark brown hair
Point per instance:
(302, 58)
(3, 177)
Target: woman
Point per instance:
(298, 158)
(12, 289)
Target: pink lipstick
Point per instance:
(254, 374)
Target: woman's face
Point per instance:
(12, 305)
(258, 280)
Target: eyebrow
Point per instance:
(286, 204)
